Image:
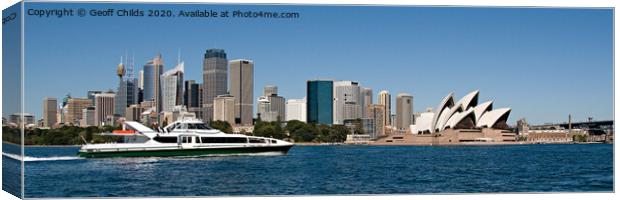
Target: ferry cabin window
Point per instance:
(180, 126)
(198, 127)
(172, 127)
(274, 141)
(223, 140)
(166, 139)
(257, 140)
(186, 139)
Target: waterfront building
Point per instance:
(404, 111)
(172, 87)
(60, 116)
(367, 125)
(133, 92)
(384, 98)
(152, 71)
(377, 112)
(522, 127)
(132, 113)
(148, 115)
(346, 102)
(277, 103)
(178, 112)
(91, 95)
(242, 88)
(465, 121)
(88, 117)
(224, 108)
(190, 94)
(296, 109)
(120, 100)
(320, 101)
(199, 110)
(365, 100)
(74, 109)
(15, 119)
(50, 106)
(265, 111)
(215, 79)
(104, 107)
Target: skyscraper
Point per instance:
(74, 110)
(104, 107)
(264, 111)
(296, 109)
(384, 98)
(152, 72)
(133, 90)
(366, 100)
(190, 94)
(215, 79)
(91, 95)
(377, 112)
(277, 103)
(224, 108)
(242, 88)
(172, 87)
(346, 101)
(50, 106)
(404, 111)
(320, 94)
(88, 117)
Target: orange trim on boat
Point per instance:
(123, 132)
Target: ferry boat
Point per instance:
(186, 137)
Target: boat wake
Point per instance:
(35, 159)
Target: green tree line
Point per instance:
(65, 135)
(294, 130)
(302, 132)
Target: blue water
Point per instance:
(55, 172)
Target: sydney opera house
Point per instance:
(465, 121)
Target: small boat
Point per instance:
(186, 137)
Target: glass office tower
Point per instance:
(320, 101)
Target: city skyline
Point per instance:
(538, 58)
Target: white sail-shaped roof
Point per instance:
(490, 118)
(458, 117)
(469, 100)
(483, 107)
(443, 118)
(464, 114)
(446, 103)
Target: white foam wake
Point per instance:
(30, 158)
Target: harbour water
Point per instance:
(323, 170)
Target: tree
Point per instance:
(294, 125)
(306, 133)
(269, 129)
(223, 126)
(338, 133)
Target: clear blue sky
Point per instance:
(542, 63)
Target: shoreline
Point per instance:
(10, 143)
(366, 144)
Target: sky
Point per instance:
(544, 63)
